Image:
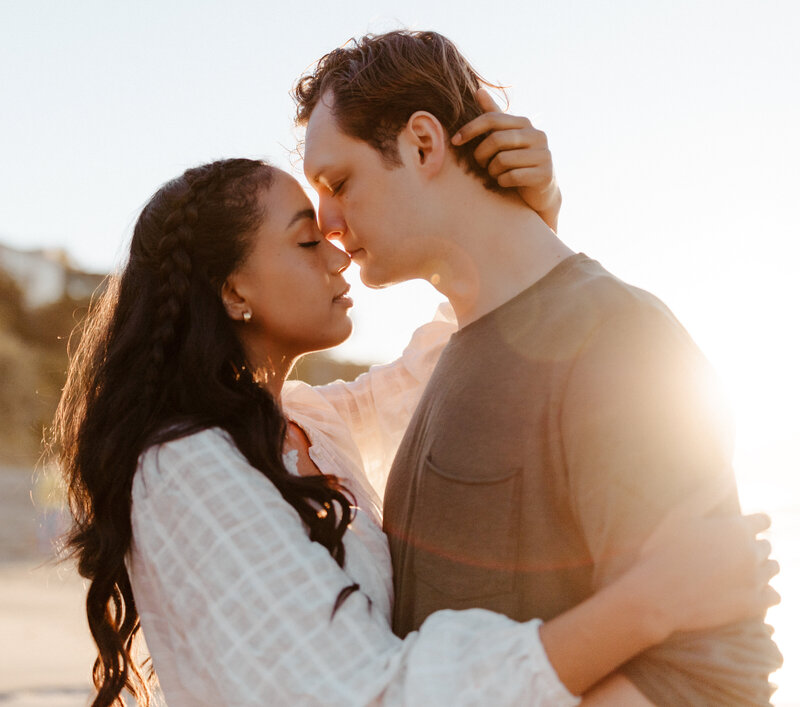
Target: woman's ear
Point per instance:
(426, 136)
(235, 305)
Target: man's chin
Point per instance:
(372, 279)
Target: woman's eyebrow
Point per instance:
(303, 213)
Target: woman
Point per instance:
(238, 523)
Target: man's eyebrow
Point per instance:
(300, 215)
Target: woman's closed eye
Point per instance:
(309, 244)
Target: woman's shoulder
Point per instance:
(210, 440)
(189, 458)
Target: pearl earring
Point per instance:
(247, 316)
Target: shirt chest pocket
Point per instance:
(465, 532)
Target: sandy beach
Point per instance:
(46, 648)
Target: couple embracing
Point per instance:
(534, 505)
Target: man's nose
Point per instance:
(331, 220)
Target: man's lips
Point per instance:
(354, 253)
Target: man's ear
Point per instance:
(427, 137)
(235, 305)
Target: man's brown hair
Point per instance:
(379, 81)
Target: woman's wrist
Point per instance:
(606, 630)
(550, 212)
(638, 593)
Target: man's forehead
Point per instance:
(321, 132)
(325, 145)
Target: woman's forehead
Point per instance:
(285, 203)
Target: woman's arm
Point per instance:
(225, 575)
(245, 598)
(693, 573)
(377, 406)
(517, 155)
(615, 691)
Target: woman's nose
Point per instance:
(338, 260)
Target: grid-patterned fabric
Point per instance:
(235, 600)
(368, 416)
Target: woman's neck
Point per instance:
(271, 370)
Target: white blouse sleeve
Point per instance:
(226, 571)
(378, 405)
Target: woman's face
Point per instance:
(291, 282)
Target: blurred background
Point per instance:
(673, 128)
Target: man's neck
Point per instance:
(496, 249)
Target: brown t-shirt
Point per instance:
(554, 434)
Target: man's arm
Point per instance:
(643, 427)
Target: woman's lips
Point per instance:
(342, 298)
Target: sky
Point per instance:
(673, 127)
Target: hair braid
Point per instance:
(173, 254)
(162, 326)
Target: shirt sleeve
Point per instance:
(378, 405)
(644, 424)
(246, 599)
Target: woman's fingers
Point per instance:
(763, 550)
(767, 570)
(486, 102)
(529, 168)
(507, 131)
(525, 177)
(522, 158)
(510, 140)
(492, 118)
(770, 597)
(757, 522)
(488, 122)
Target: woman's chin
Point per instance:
(334, 338)
(346, 330)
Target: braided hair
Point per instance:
(158, 359)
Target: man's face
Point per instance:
(365, 204)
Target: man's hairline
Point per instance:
(387, 160)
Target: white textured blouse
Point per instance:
(236, 602)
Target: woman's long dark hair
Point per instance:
(159, 359)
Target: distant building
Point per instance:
(45, 276)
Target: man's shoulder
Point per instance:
(583, 298)
(593, 291)
(627, 337)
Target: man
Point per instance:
(570, 411)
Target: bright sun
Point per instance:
(758, 379)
